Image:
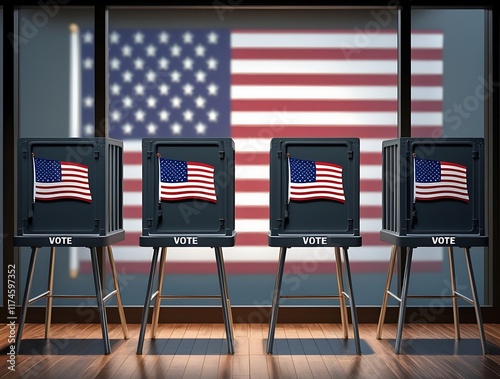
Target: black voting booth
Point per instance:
(432, 196)
(70, 194)
(304, 215)
(177, 212)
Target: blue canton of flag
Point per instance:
(165, 84)
(435, 180)
(310, 180)
(181, 180)
(302, 171)
(427, 171)
(173, 171)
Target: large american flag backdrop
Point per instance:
(253, 85)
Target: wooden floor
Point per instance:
(301, 351)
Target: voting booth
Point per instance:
(70, 195)
(432, 196)
(187, 201)
(314, 202)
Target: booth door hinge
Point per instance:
(96, 155)
(149, 154)
(350, 154)
(221, 154)
(278, 153)
(279, 221)
(475, 222)
(150, 222)
(475, 155)
(96, 222)
(221, 222)
(349, 223)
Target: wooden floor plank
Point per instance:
(300, 351)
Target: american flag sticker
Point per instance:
(310, 180)
(56, 180)
(436, 180)
(181, 180)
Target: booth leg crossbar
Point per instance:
(49, 295)
(342, 296)
(157, 296)
(454, 296)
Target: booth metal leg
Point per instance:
(456, 319)
(156, 309)
(352, 303)
(50, 286)
(119, 303)
(340, 282)
(147, 301)
(226, 304)
(404, 296)
(475, 299)
(383, 308)
(100, 301)
(24, 305)
(276, 300)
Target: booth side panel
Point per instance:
(114, 175)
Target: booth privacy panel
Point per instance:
(433, 187)
(71, 187)
(174, 205)
(293, 217)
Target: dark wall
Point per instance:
(464, 77)
(44, 70)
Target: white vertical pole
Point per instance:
(75, 115)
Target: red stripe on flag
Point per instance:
(132, 211)
(426, 54)
(291, 105)
(313, 53)
(370, 158)
(371, 185)
(251, 158)
(370, 212)
(333, 79)
(247, 212)
(315, 79)
(252, 185)
(132, 157)
(132, 185)
(426, 131)
(332, 53)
